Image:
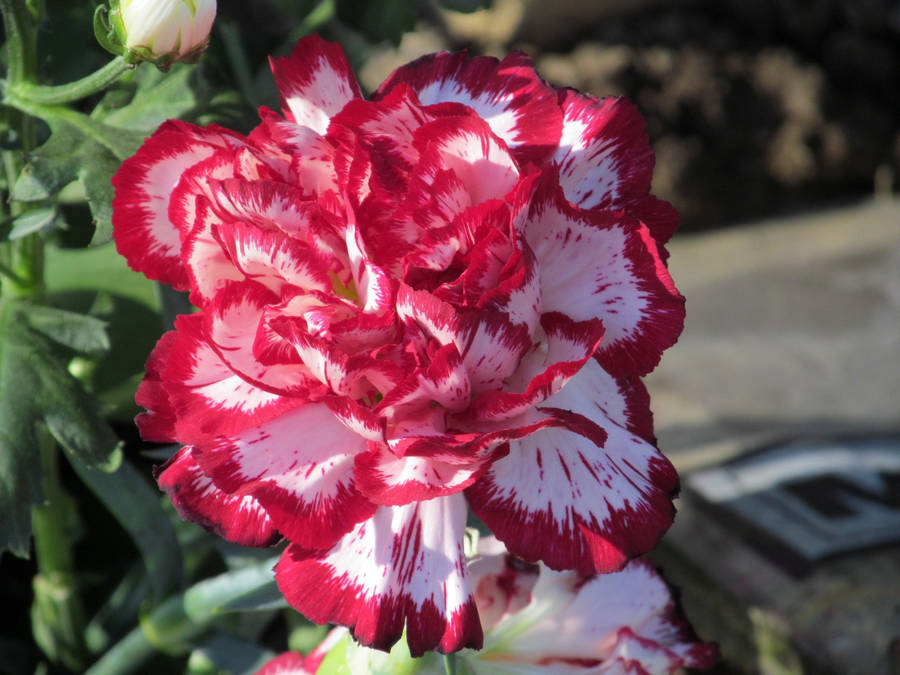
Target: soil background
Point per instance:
(754, 107)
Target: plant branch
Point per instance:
(20, 41)
(73, 91)
(57, 615)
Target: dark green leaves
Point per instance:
(36, 388)
(377, 21)
(136, 505)
(90, 148)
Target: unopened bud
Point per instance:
(159, 31)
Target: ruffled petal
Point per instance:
(237, 518)
(589, 495)
(467, 147)
(315, 82)
(157, 423)
(604, 156)
(208, 398)
(232, 323)
(519, 107)
(403, 567)
(598, 264)
(490, 345)
(299, 467)
(144, 233)
(385, 478)
(639, 629)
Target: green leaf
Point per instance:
(97, 269)
(348, 657)
(211, 597)
(158, 97)
(96, 176)
(36, 388)
(79, 332)
(137, 507)
(32, 221)
(377, 21)
(259, 599)
(228, 654)
(91, 148)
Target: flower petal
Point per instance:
(315, 82)
(207, 396)
(157, 423)
(604, 156)
(519, 107)
(299, 467)
(467, 147)
(233, 321)
(638, 630)
(586, 496)
(385, 478)
(489, 344)
(404, 566)
(149, 240)
(237, 518)
(598, 264)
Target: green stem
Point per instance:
(21, 260)
(450, 664)
(91, 128)
(74, 91)
(20, 41)
(126, 656)
(237, 59)
(56, 614)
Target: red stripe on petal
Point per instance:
(544, 370)
(562, 498)
(239, 519)
(299, 466)
(315, 82)
(467, 147)
(273, 259)
(604, 156)
(232, 322)
(605, 265)
(405, 566)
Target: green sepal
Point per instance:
(106, 34)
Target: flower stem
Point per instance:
(74, 91)
(450, 664)
(20, 41)
(57, 615)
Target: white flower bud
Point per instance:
(163, 31)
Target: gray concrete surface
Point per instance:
(793, 332)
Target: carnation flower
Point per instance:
(539, 622)
(438, 299)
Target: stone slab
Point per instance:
(792, 337)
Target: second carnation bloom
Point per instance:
(438, 299)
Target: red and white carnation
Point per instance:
(540, 622)
(437, 299)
